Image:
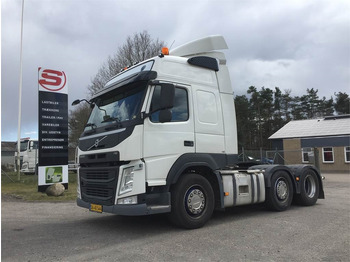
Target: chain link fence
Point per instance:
(282, 157)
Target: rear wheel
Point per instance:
(192, 201)
(280, 195)
(309, 189)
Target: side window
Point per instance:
(328, 156)
(347, 154)
(306, 151)
(207, 108)
(179, 111)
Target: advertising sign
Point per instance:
(53, 128)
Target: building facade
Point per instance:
(323, 142)
(8, 154)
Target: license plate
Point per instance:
(96, 208)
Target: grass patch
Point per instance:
(27, 188)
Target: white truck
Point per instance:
(162, 138)
(29, 155)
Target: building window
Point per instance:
(347, 154)
(328, 156)
(306, 154)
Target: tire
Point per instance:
(192, 201)
(280, 195)
(309, 189)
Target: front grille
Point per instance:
(98, 174)
(98, 184)
(99, 192)
(93, 176)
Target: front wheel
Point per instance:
(280, 195)
(192, 201)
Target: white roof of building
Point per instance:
(328, 126)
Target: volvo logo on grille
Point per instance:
(97, 141)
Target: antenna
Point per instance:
(172, 44)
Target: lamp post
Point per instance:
(20, 101)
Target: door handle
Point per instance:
(188, 143)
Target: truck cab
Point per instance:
(28, 155)
(162, 138)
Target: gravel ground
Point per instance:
(33, 231)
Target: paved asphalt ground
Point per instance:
(65, 232)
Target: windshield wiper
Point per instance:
(92, 125)
(110, 119)
(93, 128)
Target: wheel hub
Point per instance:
(281, 189)
(195, 201)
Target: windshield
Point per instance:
(119, 105)
(24, 145)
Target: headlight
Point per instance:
(127, 180)
(25, 165)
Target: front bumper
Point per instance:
(147, 208)
(28, 170)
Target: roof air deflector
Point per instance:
(203, 45)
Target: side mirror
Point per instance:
(167, 95)
(31, 145)
(76, 102)
(165, 115)
(163, 102)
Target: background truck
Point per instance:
(29, 155)
(162, 138)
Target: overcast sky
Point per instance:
(290, 44)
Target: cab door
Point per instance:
(165, 142)
(32, 154)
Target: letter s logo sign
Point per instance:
(52, 80)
